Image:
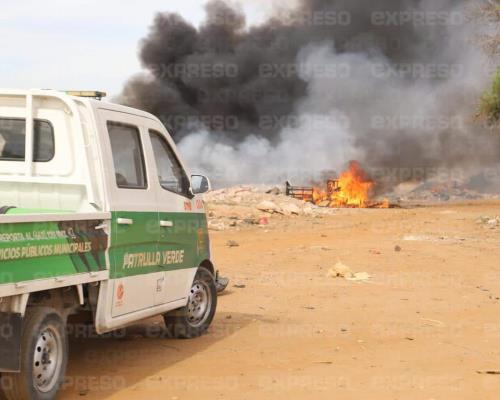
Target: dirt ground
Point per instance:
(425, 326)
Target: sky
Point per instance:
(84, 44)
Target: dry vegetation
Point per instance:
(488, 13)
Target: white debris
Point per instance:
(270, 207)
(243, 206)
(359, 276)
(489, 222)
(492, 223)
(290, 209)
(341, 270)
(215, 225)
(418, 238)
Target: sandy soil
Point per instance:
(426, 325)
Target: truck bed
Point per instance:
(50, 248)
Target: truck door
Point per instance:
(179, 225)
(135, 269)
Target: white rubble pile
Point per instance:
(255, 205)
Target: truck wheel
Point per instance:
(194, 319)
(44, 356)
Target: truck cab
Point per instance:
(99, 213)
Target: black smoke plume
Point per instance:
(393, 83)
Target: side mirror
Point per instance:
(200, 184)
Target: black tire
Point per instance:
(194, 319)
(43, 337)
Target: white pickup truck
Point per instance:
(97, 215)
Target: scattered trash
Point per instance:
(418, 238)
(489, 222)
(240, 286)
(434, 321)
(492, 223)
(435, 239)
(232, 243)
(343, 271)
(263, 221)
(324, 248)
(340, 270)
(359, 276)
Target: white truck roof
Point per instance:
(71, 179)
(96, 104)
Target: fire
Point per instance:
(352, 189)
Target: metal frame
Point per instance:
(299, 192)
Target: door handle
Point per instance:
(166, 224)
(101, 226)
(125, 221)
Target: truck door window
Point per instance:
(128, 157)
(170, 172)
(13, 139)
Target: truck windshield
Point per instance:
(13, 138)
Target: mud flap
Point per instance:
(10, 341)
(220, 282)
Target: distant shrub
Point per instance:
(490, 101)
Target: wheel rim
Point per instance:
(47, 360)
(199, 304)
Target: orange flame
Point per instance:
(352, 189)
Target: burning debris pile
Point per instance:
(353, 189)
(255, 205)
(241, 206)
